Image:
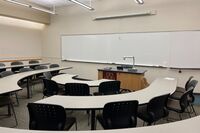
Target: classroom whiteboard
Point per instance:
(167, 49)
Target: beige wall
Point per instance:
(17, 42)
(172, 15)
(16, 11)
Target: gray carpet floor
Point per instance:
(81, 116)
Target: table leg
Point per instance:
(93, 120)
(28, 88)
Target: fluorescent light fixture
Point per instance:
(21, 23)
(18, 3)
(44, 10)
(147, 13)
(139, 1)
(81, 4)
(30, 6)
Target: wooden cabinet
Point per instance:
(129, 80)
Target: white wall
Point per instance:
(18, 42)
(172, 15)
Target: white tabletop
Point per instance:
(185, 126)
(9, 83)
(159, 87)
(67, 78)
(24, 65)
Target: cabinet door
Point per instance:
(130, 81)
(107, 75)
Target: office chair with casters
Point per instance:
(2, 69)
(16, 69)
(49, 117)
(5, 100)
(53, 73)
(50, 88)
(33, 62)
(5, 74)
(154, 110)
(109, 88)
(116, 115)
(180, 105)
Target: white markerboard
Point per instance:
(167, 49)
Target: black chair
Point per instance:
(16, 69)
(2, 69)
(25, 69)
(33, 62)
(39, 76)
(177, 95)
(5, 100)
(49, 117)
(23, 82)
(5, 74)
(154, 110)
(47, 75)
(53, 73)
(108, 88)
(77, 89)
(41, 67)
(122, 114)
(180, 105)
(181, 89)
(50, 88)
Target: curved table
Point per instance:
(10, 83)
(24, 65)
(183, 126)
(68, 78)
(158, 87)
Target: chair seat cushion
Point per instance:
(174, 105)
(176, 95)
(180, 89)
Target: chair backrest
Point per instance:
(46, 117)
(53, 65)
(47, 75)
(33, 61)
(6, 73)
(192, 83)
(109, 87)
(53, 73)
(77, 89)
(16, 69)
(184, 102)
(2, 65)
(16, 63)
(157, 107)
(25, 69)
(188, 81)
(122, 114)
(40, 67)
(50, 87)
